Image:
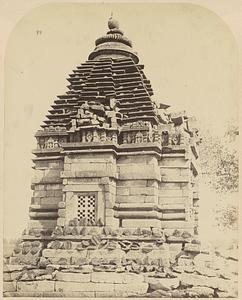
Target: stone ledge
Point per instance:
(73, 277)
(9, 286)
(133, 288)
(47, 150)
(12, 268)
(108, 277)
(46, 158)
(88, 174)
(85, 287)
(138, 215)
(39, 207)
(43, 215)
(38, 286)
(51, 294)
(83, 187)
(178, 179)
(46, 180)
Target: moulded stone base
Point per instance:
(50, 294)
(146, 223)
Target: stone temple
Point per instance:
(107, 155)
(115, 189)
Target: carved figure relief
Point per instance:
(50, 143)
(114, 138)
(89, 137)
(41, 143)
(95, 136)
(165, 138)
(56, 144)
(103, 136)
(139, 138)
(175, 139)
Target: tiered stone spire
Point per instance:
(111, 77)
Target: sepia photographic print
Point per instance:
(120, 149)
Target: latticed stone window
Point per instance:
(87, 208)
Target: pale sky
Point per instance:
(189, 53)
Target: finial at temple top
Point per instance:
(112, 23)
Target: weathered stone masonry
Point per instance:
(115, 191)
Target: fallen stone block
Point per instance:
(185, 260)
(226, 294)
(228, 254)
(188, 280)
(206, 271)
(194, 248)
(200, 292)
(165, 284)
(179, 293)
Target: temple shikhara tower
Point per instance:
(115, 189)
